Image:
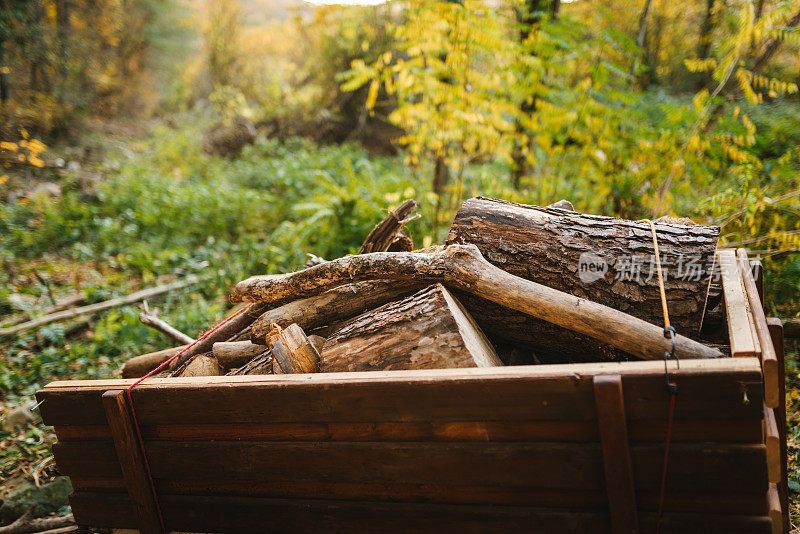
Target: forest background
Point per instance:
(145, 140)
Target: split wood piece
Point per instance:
(773, 442)
(613, 431)
(292, 351)
(737, 307)
(776, 334)
(139, 366)
(201, 365)
(100, 306)
(224, 333)
(389, 230)
(236, 353)
(769, 360)
(428, 330)
(131, 461)
(463, 267)
(557, 248)
(338, 304)
(151, 319)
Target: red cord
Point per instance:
(136, 420)
(673, 394)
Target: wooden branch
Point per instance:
(385, 232)
(236, 353)
(151, 320)
(139, 366)
(338, 304)
(26, 525)
(100, 306)
(63, 304)
(463, 267)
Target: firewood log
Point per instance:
(463, 267)
(139, 366)
(292, 351)
(236, 353)
(338, 304)
(428, 330)
(545, 245)
(388, 234)
(202, 365)
(558, 247)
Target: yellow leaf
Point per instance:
(372, 96)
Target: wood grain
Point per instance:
(736, 306)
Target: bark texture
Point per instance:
(338, 304)
(545, 245)
(428, 330)
(463, 267)
(388, 234)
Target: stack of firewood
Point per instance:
(514, 284)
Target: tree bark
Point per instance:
(428, 330)
(547, 246)
(337, 304)
(231, 354)
(139, 366)
(389, 230)
(463, 267)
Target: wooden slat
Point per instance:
(652, 431)
(776, 334)
(722, 501)
(773, 442)
(695, 467)
(775, 512)
(236, 514)
(769, 360)
(757, 268)
(616, 454)
(710, 389)
(131, 461)
(739, 329)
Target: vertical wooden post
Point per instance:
(131, 461)
(616, 454)
(776, 334)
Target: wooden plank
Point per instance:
(742, 343)
(776, 334)
(616, 454)
(775, 512)
(769, 360)
(709, 390)
(238, 514)
(695, 467)
(722, 502)
(652, 431)
(132, 462)
(773, 442)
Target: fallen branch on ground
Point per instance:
(100, 306)
(151, 320)
(26, 525)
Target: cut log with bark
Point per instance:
(463, 267)
(603, 259)
(388, 234)
(139, 366)
(202, 365)
(555, 247)
(292, 351)
(338, 304)
(231, 354)
(428, 330)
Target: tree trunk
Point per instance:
(559, 249)
(428, 330)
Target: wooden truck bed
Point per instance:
(556, 448)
